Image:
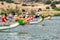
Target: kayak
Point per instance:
(8, 27)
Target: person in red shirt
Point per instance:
(4, 18)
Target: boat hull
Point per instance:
(8, 27)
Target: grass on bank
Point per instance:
(57, 14)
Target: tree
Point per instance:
(57, 2)
(2, 2)
(33, 12)
(48, 2)
(2, 12)
(47, 7)
(36, 0)
(53, 5)
(9, 1)
(19, 11)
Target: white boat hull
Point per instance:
(8, 27)
(36, 21)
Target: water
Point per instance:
(46, 30)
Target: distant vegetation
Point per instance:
(58, 14)
(47, 7)
(33, 12)
(48, 2)
(53, 5)
(24, 4)
(44, 1)
(57, 2)
(9, 1)
(40, 9)
(57, 9)
(2, 12)
(10, 10)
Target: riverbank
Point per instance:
(44, 11)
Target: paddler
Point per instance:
(22, 21)
(10, 16)
(4, 18)
(23, 13)
(27, 15)
(26, 21)
(16, 17)
(38, 14)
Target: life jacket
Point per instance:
(16, 19)
(30, 18)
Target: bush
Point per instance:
(10, 10)
(57, 9)
(2, 0)
(40, 9)
(9, 1)
(32, 5)
(2, 3)
(13, 12)
(47, 7)
(24, 4)
(33, 12)
(57, 2)
(53, 5)
(58, 14)
(19, 11)
(48, 2)
(2, 12)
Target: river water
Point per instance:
(46, 30)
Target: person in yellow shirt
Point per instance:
(23, 21)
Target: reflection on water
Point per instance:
(46, 30)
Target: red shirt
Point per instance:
(4, 19)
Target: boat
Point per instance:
(13, 25)
(8, 27)
(16, 24)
